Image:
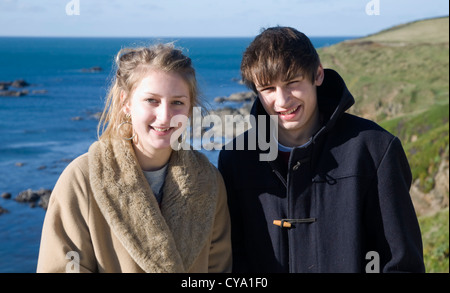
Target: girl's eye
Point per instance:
(151, 101)
(178, 103)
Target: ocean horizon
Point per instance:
(55, 122)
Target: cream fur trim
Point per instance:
(159, 240)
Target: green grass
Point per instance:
(435, 241)
(425, 138)
(430, 31)
(400, 79)
(388, 81)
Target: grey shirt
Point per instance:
(156, 181)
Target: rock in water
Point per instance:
(33, 196)
(3, 211)
(27, 196)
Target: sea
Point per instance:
(41, 132)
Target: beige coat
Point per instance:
(104, 210)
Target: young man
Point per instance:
(336, 198)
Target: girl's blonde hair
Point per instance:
(131, 64)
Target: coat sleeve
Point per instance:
(65, 241)
(220, 251)
(401, 228)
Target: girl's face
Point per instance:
(158, 97)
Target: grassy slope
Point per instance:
(435, 241)
(403, 85)
(400, 79)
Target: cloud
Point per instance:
(206, 17)
(20, 6)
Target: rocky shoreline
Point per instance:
(18, 90)
(19, 85)
(34, 198)
(239, 115)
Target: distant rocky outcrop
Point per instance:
(40, 197)
(3, 211)
(237, 97)
(13, 93)
(88, 115)
(19, 84)
(92, 69)
(235, 117)
(246, 98)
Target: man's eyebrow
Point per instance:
(285, 79)
(262, 86)
(297, 76)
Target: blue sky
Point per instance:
(206, 18)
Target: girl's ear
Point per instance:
(124, 102)
(319, 76)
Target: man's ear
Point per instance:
(319, 76)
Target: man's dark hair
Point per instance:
(279, 53)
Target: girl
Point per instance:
(132, 203)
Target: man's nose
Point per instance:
(282, 96)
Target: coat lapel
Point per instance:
(159, 240)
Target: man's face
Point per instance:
(294, 102)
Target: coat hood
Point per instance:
(333, 99)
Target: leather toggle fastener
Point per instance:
(288, 223)
(297, 165)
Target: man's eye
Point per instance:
(267, 89)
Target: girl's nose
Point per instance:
(163, 114)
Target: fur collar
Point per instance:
(159, 240)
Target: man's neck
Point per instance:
(294, 138)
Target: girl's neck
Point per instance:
(152, 160)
